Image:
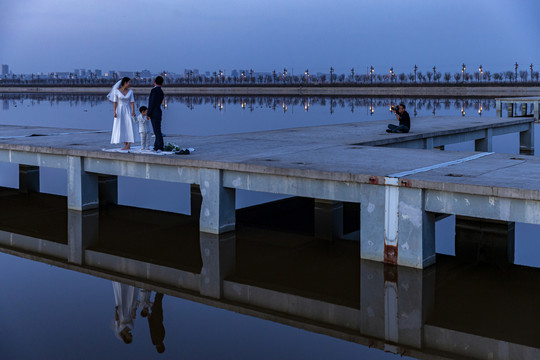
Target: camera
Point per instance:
(394, 108)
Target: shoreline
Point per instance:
(398, 91)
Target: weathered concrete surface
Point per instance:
(488, 91)
(322, 153)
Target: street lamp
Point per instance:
(516, 67)
(434, 73)
(415, 69)
(463, 67)
(371, 70)
(352, 74)
(331, 75)
(481, 73)
(391, 74)
(284, 74)
(531, 67)
(307, 76)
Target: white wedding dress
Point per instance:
(123, 124)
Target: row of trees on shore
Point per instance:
(284, 78)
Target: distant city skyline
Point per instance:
(59, 35)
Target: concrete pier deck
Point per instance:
(534, 101)
(400, 190)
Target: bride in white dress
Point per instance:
(122, 97)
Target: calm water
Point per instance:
(64, 313)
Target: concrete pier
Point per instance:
(525, 101)
(400, 186)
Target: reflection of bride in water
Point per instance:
(124, 314)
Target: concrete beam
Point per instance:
(218, 203)
(485, 207)
(287, 185)
(160, 172)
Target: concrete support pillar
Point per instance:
(485, 144)
(536, 106)
(395, 302)
(196, 200)
(108, 189)
(218, 203)
(372, 222)
(83, 231)
(498, 108)
(416, 230)
(218, 254)
(328, 219)
(526, 141)
(428, 143)
(83, 187)
(394, 227)
(28, 178)
(482, 240)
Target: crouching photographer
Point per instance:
(404, 120)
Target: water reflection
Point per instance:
(464, 306)
(367, 105)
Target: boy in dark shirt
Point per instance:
(404, 121)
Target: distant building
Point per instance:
(234, 73)
(5, 69)
(146, 74)
(129, 74)
(98, 73)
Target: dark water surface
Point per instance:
(288, 295)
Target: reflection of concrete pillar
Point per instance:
(82, 191)
(484, 240)
(328, 219)
(523, 109)
(218, 204)
(196, 200)
(498, 108)
(485, 144)
(108, 189)
(395, 302)
(218, 254)
(510, 109)
(83, 231)
(28, 178)
(526, 141)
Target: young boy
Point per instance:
(144, 128)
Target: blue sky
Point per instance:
(61, 35)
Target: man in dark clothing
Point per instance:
(404, 121)
(154, 112)
(155, 322)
